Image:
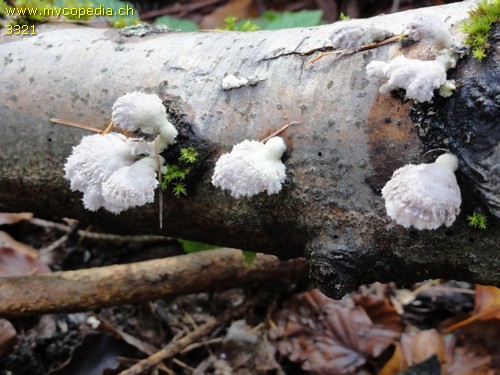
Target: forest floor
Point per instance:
(435, 327)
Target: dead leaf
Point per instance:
(396, 363)
(16, 263)
(8, 336)
(330, 337)
(416, 348)
(13, 218)
(240, 9)
(487, 298)
(7, 241)
(486, 307)
(98, 354)
(419, 346)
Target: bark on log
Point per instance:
(349, 142)
(143, 281)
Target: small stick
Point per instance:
(363, 48)
(87, 127)
(108, 128)
(160, 190)
(175, 346)
(280, 130)
(75, 124)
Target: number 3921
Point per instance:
(20, 30)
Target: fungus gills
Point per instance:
(251, 168)
(425, 195)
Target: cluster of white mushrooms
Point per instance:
(117, 172)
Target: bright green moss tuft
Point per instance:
(478, 27)
(478, 221)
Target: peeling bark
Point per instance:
(349, 142)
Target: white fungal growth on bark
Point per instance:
(251, 168)
(430, 28)
(351, 35)
(232, 82)
(131, 186)
(425, 195)
(145, 112)
(419, 78)
(106, 169)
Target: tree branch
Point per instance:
(136, 282)
(349, 142)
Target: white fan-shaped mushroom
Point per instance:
(92, 162)
(131, 186)
(106, 170)
(251, 168)
(425, 195)
(137, 110)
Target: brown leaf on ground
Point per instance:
(486, 307)
(334, 337)
(8, 336)
(98, 354)
(17, 263)
(13, 218)
(417, 347)
(487, 299)
(240, 9)
(7, 241)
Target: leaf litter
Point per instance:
(381, 329)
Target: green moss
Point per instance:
(231, 24)
(478, 221)
(177, 173)
(249, 257)
(188, 155)
(479, 25)
(27, 12)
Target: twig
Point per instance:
(197, 345)
(182, 364)
(160, 190)
(108, 128)
(176, 346)
(280, 130)
(75, 124)
(104, 131)
(486, 314)
(363, 48)
(137, 282)
(117, 238)
(54, 245)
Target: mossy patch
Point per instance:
(478, 27)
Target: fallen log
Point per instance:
(349, 141)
